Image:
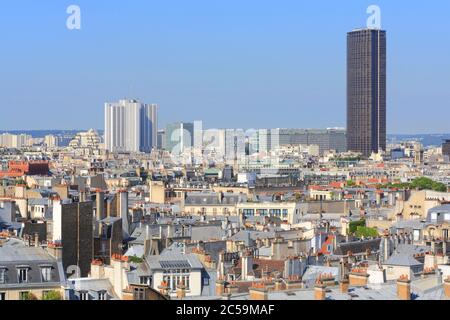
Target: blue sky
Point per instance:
(233, 63)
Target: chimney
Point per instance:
(358, 278)
(344, 285)
(247, 265)
(148, 240)
(320, 292)
(181, 291)
(278, 285)
(220, 287)
(259, 293)
(404, 288)
(100, 205)
(36, 240)
(164, 288)
(447, 287)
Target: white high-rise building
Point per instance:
(129, 126)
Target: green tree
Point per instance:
(366, 232)
(350, 183)
(135, 259)
(424, 183)
(28, 296)
(52, 295)
(353, 226)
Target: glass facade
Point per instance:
(366, 91)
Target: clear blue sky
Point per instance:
(233, 63)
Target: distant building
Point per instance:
(15, 141)
(179, 136)
(366, 91)
(51, 141)
(130, 126)
(161, 139)
(89, 139)
(446, 149)
(326, 139)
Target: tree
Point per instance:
(353, 226)
(28, 296)
(135, 259)
(52, 295)
(424, 183)
(366, 232)
(350, 183)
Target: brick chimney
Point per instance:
(404, 288)
(320, 292)
(36, 240)
(220, 287)
(278, 285)
(344, 285)
(181, 291)
(447, 287)
(358, 278)
(258, 294)
(164, 288)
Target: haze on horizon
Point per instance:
(258, 64)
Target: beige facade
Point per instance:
(288, 211)
(157, 192)
(211, 210)
(418, 204)
(33, 294)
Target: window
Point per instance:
(84, 295)
(434, 216)
(275, 212)
(102, 295)
(2, 275)
(174, 277)
(46, 273)
(262, 212)
(24, 295)
(139, 294)
(416, 234)
(145, 280)
(2, 296)
(23, 275)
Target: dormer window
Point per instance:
(2, 275)
(46, 273)
(22, 274)
(102, 295)
(84, 295)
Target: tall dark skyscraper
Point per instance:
(366, 91)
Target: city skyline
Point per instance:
(246, 64)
